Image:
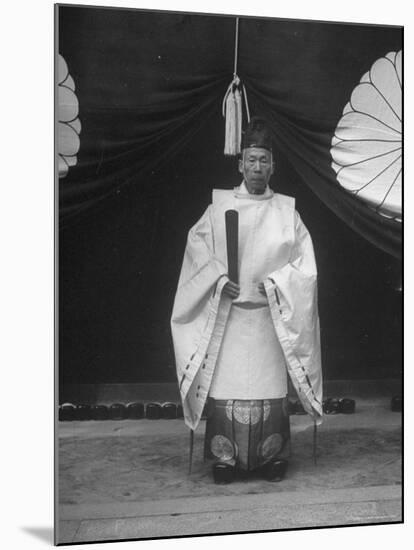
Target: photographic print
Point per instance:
(229, 280)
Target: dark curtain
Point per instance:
(150, 88)
(304, 103)
(147, 83)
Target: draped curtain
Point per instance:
(147, 82)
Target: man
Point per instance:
(234, 342)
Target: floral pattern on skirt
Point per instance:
(247, 433)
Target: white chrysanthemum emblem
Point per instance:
(367, 146)
(69, 126)
(222, 447)
(247, 412)
(271, 446)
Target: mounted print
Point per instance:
(229, 313)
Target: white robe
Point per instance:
(274, 247)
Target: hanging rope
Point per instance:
(246, 104)
(236, 47)
(232, 107)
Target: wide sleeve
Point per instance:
(293, 299)
(196, 305)
(199, 273)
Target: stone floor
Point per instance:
(129, 479)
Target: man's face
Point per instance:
(256, 165)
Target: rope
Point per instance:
(236, 48)
(236, 79)
(246, 103)
(232, 107)
(234, 82)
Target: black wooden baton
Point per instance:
(232, 240)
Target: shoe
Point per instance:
(223, 473)
(275, 470)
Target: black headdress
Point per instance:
(257, 134)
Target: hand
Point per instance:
(231, 289)
(262, 289)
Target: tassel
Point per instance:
(239, 116)
(233, 107)
(233, 115)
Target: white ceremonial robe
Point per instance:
(278, 333)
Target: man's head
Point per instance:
(256, 163)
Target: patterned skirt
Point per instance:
(247, 433)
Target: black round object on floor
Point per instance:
(346, 405)
(153, 411)
(99, 412)
(397, 403)
(67, 412)
(180, 412)
(83, 412)
(169, 411)
(117, 411)
(135, 410)
(330, 405)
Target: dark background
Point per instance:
(126, 208)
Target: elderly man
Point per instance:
(236, 342)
